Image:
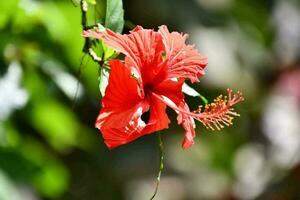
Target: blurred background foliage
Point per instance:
(49, 148)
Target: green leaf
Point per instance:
(108, 52)
(76, 2)
(130, 25)
(101, 27)
(93, 2)
(192, 92)
(114, 18)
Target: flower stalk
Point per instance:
(161, 163)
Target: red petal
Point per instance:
(158, 118)
(184, 118)
(184, 60)
(143, 48)
(122, 107)
(172, 90)
(92, 34)
(128, 131)
(124, 131)
(188, 124)
(121, 104)
(122, 91)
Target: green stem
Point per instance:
(205, 101)
(79, 75)
(87, 46)
(161, 163)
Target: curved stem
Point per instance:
(161, 163)
(79, 75)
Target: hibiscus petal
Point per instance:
(183, 117)
(127, 130)
(188, 124)
(184, 60)
(122, 107)
(173, 90)
(123, 90)
(143, 48)
(158, 117)
(115, 136)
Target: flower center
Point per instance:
(148, 89)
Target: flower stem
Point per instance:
(161, 163)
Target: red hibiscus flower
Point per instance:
(149, 79)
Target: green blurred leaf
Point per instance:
(30, 162)
(57, 123)
(114, 18)
(45, 178)
(11, 137)
(7, 9)
(52, 180)
(17, 166)
(130, 25)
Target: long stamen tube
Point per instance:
(219, 114)
(215, 115)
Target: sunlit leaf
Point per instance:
(103, 80)
(192, 92)
(108, 52)
(101, 27)
(114, 18)
(93, 2)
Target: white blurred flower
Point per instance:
(219, 46)
(11, 95)
(286, 18)
(252, 171)
(170, 188)
(66, 82)
(200, 180)
(11, 191)
(281, 126)
(218, 5)
(224, 69)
